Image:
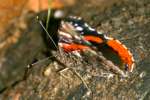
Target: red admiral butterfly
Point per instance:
(75, 34)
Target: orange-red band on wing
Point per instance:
(93, 39)
(122, 52)
(73, 47)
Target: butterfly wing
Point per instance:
(75, 34)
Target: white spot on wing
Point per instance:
(76, 24)
(79, 18)
(86, 25)
(109, 38)
(99, 32)
(79, 28)
(91, 29)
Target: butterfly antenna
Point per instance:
(41, 23)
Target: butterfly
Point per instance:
(76, 35)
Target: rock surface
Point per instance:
(128, 21)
